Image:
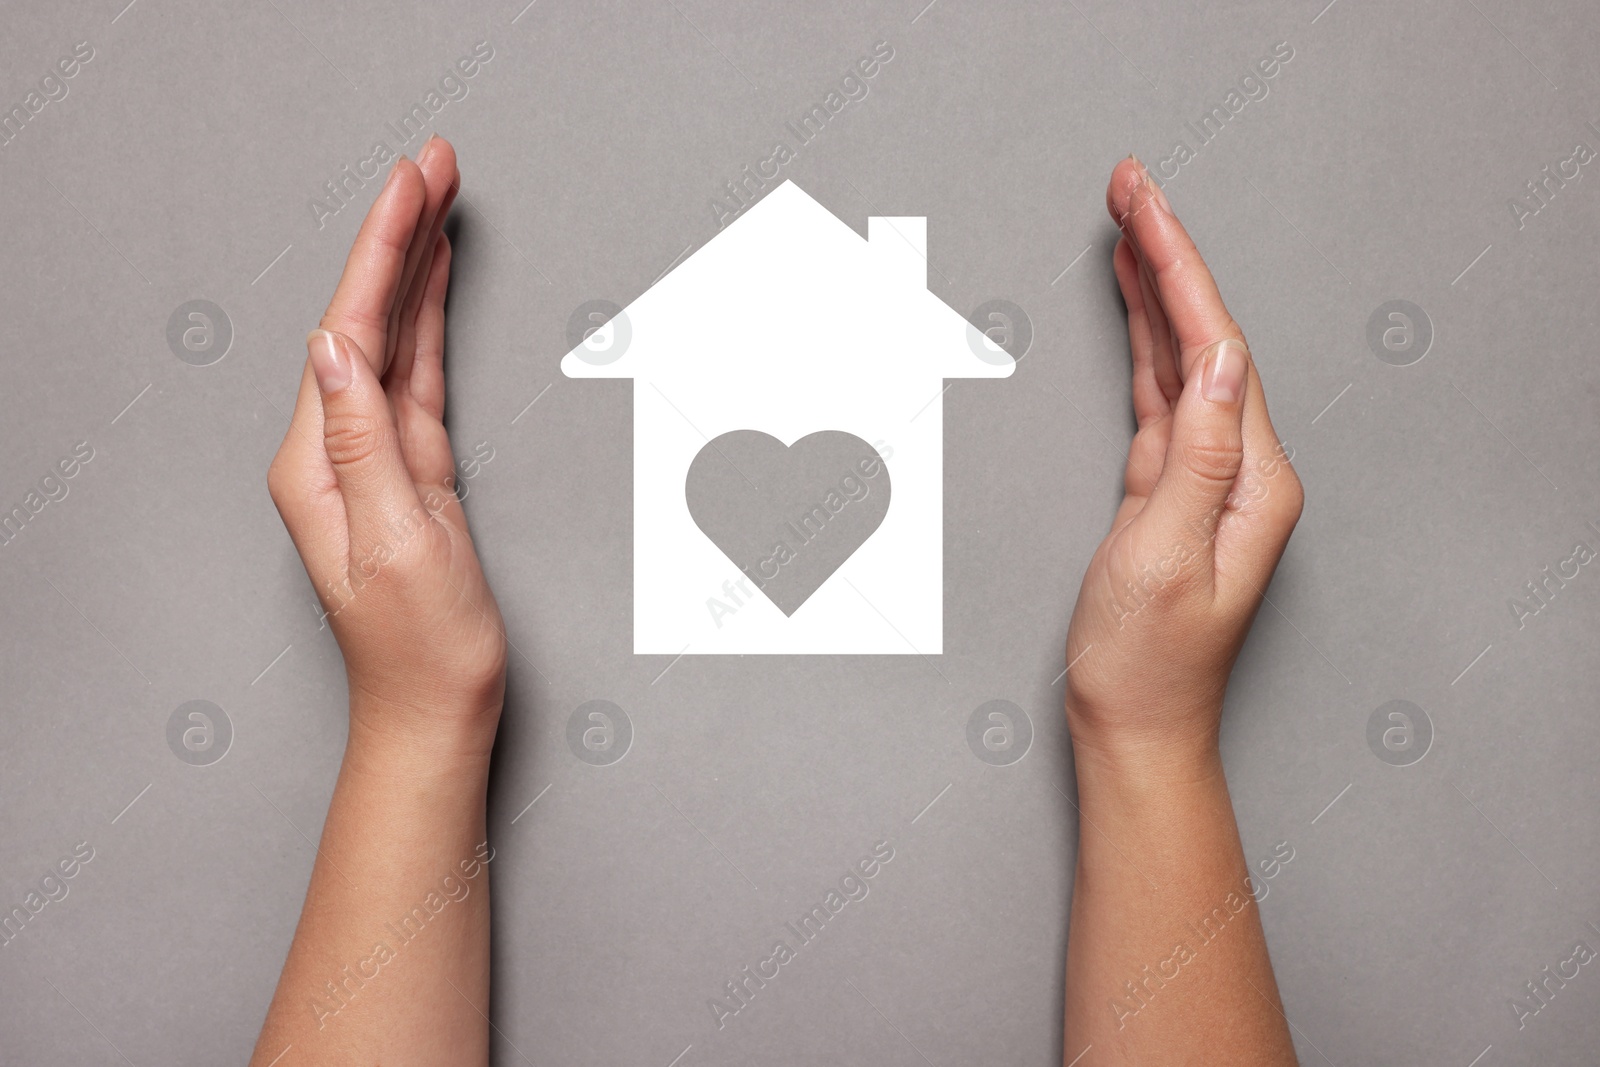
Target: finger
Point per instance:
(419, 401)
(1265, 505)
(362, 444)
(1187, 291)
(1266, 457)
(1127, 511)
(427, 369)
(1262, 446)
(365, 299)
(437, 161)
(306, 492)
(398, 379)
(1127, 172)
(1207, 446)
(1147, 456)
(1149, 402)
(1164, 343)
(425, 446)
(302, 446)
(1161, 338)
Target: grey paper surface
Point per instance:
(1449, 460)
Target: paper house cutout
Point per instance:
(788, 323)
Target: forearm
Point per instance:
(390, 962)
(1166, 960)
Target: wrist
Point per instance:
(1158, 796)
(407, 739)
(1146, 760)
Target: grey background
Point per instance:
(182, 163)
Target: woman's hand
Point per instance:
(1210, 503)
(365, 482)
(1164, 608)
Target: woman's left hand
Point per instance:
(365, 481)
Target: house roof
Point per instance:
(788, 293)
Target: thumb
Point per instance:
(363, 446)
(1207, 445)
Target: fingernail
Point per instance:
(1143, 173)
(1157, 192)
(329, 361)
(1152, 187)
(427, 147)
(1224, 378)
(394, 172)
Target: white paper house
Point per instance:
(787, 322)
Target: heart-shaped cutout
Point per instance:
(788, 516)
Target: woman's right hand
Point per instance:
(1210, 502)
